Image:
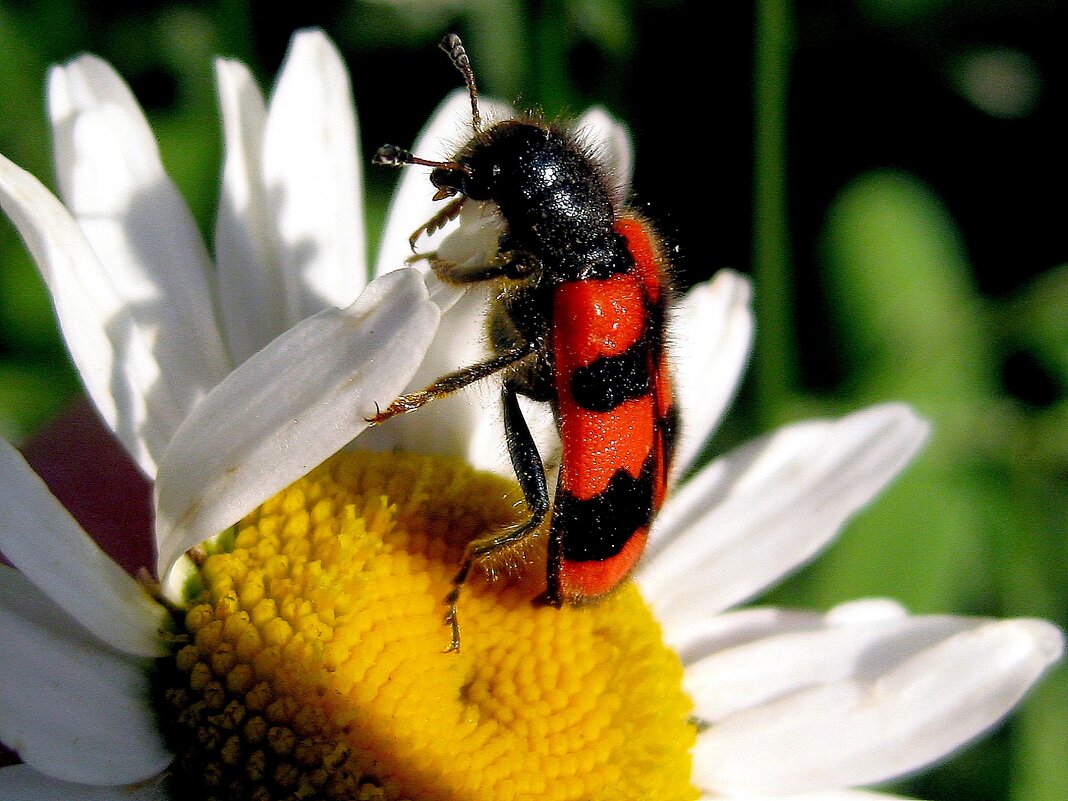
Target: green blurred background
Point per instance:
(890, 172)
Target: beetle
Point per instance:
(578, 322)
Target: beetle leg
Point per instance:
(514, 264)
(530, 472)
(452, 382)
(438, 221)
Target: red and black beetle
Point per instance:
(579, 323)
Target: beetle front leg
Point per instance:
(513, 264)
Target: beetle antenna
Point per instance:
(393, 156)
(452, 45)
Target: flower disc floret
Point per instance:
(313, 662)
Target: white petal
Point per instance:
(313, 179)
(413, 203)
(866, 611)
(249, 276)
(23, 783)
(712, 634)
(70, 706)
(41, 539)
(757, 672)
(113, 358)
(711, 331)
(288, 408)
(111, 178)
(470, 244)
(819, 795)
(753, 516)
(406, 432)
(610, 142)
(905, 709)
(445, 425)
(469, 423)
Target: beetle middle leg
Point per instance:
(451, 382)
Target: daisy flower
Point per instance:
(225, 380)
(297, 653)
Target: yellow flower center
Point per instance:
(313, 665)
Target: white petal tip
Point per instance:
(900, 422)
(731, 282)
(1046, 639)
(311, 43)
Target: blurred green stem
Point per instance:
(774, 364)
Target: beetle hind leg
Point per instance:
(477, 551)
(530, 473)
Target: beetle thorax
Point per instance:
(549, 190)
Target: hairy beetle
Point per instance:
(579, 323)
